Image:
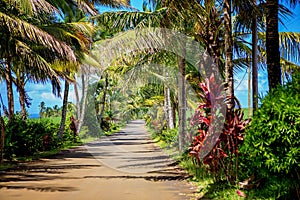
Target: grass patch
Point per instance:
(55, 120)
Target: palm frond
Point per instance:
(75, 34)
(27, 31)
(290, 46)
(288, 66)
(126, 20)
(38, 68)
(32, 7)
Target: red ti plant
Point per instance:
(218, 134)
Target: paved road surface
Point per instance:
(125, 166)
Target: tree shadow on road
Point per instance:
(35, 175)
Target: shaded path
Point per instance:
(125, 166)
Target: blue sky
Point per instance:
(39, 92)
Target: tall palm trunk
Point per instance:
(78, 106)
(83, 103)
(168, 106)
(174, 109)
(249, 89)
(19, 81)
(228, 54)
(182, 103)
(103, 100)
(64, 110)
(254, 63)
(9, 87)
(272, 44)
(22, 97)
(2, 137)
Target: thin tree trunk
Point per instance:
(78, 107)
(254, 63)
(103, 99)
(9, 87)
(272, 44)
(249, 90)
(22, 95)
(182, 104)
(84, 100)
(2, 139)
(64, 110)
(174, 108)
(229, 87)
(168, 106)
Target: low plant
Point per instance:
(216, 145)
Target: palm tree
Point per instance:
(254, 62)
(19, 33)
(229, 81)
(72, 15)
(272, 44)
(42, 109)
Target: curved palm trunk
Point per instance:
(228, 54)
(20, 83)
(9, 87)
(272, 44)
(64, 110)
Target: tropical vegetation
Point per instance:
(187, 97)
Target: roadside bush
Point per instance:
(27, 137)
(216, 145)
(168, 137)
(272, 141)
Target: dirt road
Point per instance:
(124, 166)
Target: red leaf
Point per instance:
(240, 193)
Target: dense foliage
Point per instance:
(27, 137)
(215, 145)
(272, 141)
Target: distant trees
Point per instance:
(54, 111)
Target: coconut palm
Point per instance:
(272, 42)
(19, 33)
(229, 81)
(73, 14)
(42, 107)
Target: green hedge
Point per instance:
(27, 137)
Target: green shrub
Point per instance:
(272, 140)
(27, 137)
